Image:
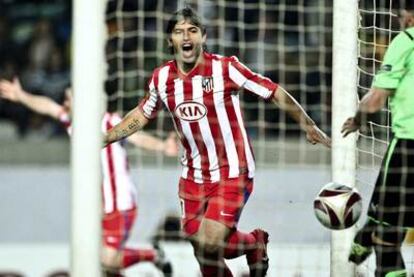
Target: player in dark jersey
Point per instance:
(391, 210)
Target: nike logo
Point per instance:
(111, 239)
(225, 214)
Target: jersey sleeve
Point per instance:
(243, 77)
(393, 67)
(151, 103)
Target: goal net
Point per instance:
(378, 25)
(287, 41)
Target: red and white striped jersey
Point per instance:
(118, 190)
(205, 107)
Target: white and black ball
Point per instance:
(338, 206)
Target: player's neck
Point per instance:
(185, 68)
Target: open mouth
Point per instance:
(187, 47)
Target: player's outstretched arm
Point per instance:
(146, 141)
(372, 102)
(14, 92)
(131, 123)
(287, 103)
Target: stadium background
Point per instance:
(288, 41)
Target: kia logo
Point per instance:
(190, 111)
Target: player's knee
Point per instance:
(111, 258)
(204, 245)
(209, 247)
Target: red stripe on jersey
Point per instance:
(110, 161)
(235, 127)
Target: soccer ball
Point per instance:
(337, 206)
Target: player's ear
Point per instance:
(407, 19)
(204, 38)
(410, 19)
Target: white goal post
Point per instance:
(344, 101)
(87, 75)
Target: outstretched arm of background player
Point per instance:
(13, 91)
(169, 146)
(131, 123)
(287, 103)
(372, 102)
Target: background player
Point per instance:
(200, 90)
(119, 192)
(391, 209)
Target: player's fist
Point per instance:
(315, 135)
(350, 125)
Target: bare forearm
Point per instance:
(147, 141)
(40, 104)
(287, 103)
(132, 122)
(372, 102)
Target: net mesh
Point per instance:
(287, 41)
(378, 25)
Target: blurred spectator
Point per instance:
(39, 48)
(7, 55)
(57, 76)
(41, 44)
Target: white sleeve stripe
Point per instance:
(149, 105)
(237, 77)
(258, 89)
(162, 83)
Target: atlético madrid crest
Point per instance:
(207, 84)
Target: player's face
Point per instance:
(187, 41)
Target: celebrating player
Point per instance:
(119, 192)
(391, 207)
(200, 90)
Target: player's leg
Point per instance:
(208, 248)
(226, 207)
(115, 256)
(211, 225)
(388, 240)
(362, 245)
(193, 202)
(394, 209)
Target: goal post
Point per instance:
(88, 72)
(344, 103)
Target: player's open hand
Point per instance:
(315, 135)
(350, 125)
(171, 147)
(11, 90)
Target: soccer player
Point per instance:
(200, 90)
(391, 209)
(119, 192)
